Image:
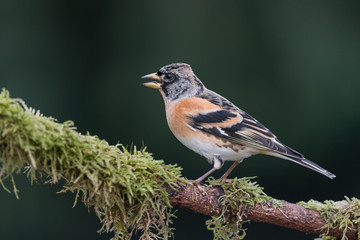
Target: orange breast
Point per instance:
(177, 114)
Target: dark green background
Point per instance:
(293, 65)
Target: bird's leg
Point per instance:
(226, 174)
(197, 181)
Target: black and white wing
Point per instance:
(236, 126)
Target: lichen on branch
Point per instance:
(124, 188)
(131, 192)
(343, 214)
(239, 196)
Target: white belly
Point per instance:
(212, 152)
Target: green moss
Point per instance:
(337, 214)
(124, 188)
(325, 237)
(240, 195)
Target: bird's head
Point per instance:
(176, 81)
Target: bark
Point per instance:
(290, 216)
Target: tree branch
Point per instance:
(126, 187)
(289, 215)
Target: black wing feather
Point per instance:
(248, 132)
(213, 117)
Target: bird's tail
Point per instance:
(298, 158)
(313, 166)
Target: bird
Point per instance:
(214, 127)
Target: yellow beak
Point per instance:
(154, 84)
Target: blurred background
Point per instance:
(293, 65)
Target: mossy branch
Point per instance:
(337, 219)
(132, 192)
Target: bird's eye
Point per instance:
(159, 73)
(170, 76)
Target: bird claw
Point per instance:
(225, 180)
(198, 186)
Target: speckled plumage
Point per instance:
(212, 126)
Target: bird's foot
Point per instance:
(225, 179)
(197, 184)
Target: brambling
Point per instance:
(212, 126)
